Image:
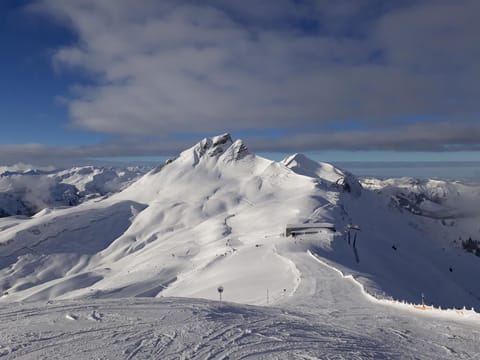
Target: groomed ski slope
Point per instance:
(328, 317)
(216, 215)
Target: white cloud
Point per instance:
(168, 67)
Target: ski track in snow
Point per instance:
(327, 318)
(178, 329)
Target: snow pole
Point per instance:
(220, 291)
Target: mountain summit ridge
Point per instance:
(220, 147)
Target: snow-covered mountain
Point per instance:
(25, 191)
(217, 214)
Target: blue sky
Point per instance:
(338, 80)
(29, 110)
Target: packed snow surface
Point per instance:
(75, 280)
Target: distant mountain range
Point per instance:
(29, 191)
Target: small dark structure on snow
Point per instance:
(220, 292)
(311, 228)
(355, 229)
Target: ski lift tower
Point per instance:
(355, 229)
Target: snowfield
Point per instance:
(26, 191)
(132, 275)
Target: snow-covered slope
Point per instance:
(98, 181)
(325, 172)
(216, 215)
(182, 328)
(436, 199)
(25, 191)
